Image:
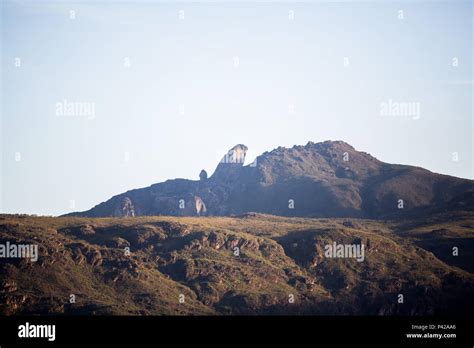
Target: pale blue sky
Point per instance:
(188, 64)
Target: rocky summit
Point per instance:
(327, 179)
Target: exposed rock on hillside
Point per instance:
(252, 264)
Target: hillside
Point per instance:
(329, 179)
(193, 259)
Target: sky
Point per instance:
(99, 97)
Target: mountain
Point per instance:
(327, 179)
(259, 245)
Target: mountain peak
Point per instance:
(323, 179)
(230, 165)
(329, 144)
(235, 155)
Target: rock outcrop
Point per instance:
(235, 155)
(203, 175)
(125, 209)
(200, 206)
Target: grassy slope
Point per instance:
(279, 258)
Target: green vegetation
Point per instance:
(189, 266)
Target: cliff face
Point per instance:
(328, 179)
